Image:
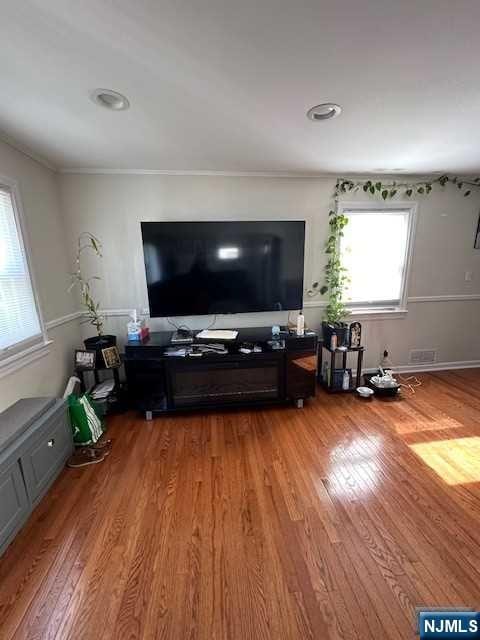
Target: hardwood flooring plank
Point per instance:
(330, 522)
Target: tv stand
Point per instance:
(160, 384)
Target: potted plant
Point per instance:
(336, 280)
(335, 314)
(88, 242)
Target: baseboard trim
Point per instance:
(435, 366)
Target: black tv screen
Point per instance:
(200, 268)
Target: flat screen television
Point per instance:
(201, 268)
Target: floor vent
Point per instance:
(423, 356)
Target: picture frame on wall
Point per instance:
(477, 235)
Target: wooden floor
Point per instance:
(335, 521)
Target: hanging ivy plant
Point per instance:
(336, 277)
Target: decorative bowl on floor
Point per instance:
(365, 392)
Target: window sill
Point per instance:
(378, 314)
(23, 358)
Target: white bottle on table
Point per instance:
(300, 324)
(333, 341)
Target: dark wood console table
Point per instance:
(159, 383)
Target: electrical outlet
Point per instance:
(468, 276)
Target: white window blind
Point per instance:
(375, 252)
(19, 319)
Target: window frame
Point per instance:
(23, 352)
(374, 308)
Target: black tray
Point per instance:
(387, 392)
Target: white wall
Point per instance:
(112, 206)
(46, 232)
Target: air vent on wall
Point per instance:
(423, 356)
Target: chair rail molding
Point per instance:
(372, 313)
(449, 297)
(69, 317)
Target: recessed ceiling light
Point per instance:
(325, 111)
(110, 99)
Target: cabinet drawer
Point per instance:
(46, 455)
(14, 505)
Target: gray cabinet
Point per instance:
(14, 503)
(35, 441)
(46, 454)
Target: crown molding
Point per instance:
(242, 174)
(197, 172)
(332, 175)
(21, 148)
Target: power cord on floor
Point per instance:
(410, 382)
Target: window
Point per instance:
(20, 323)
(376, 250)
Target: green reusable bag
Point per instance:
(87, 424)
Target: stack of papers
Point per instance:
(176, 351)
(211, 348)
(103, 390)
(217, 334)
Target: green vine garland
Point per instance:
(336, 277)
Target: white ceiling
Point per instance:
(224, 85)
